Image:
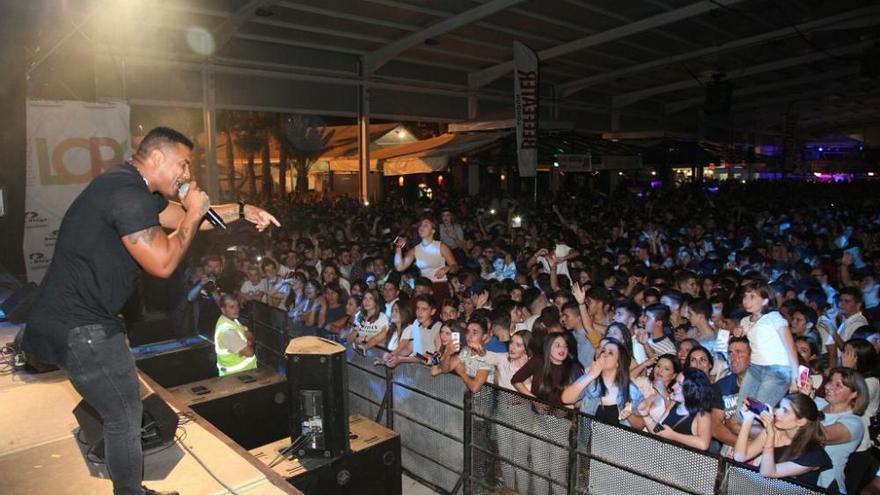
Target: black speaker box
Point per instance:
(317, 376)
(17, 306)
(180, 366)
(158, 425)
(719, 94)
(371, 467)
(374, 471)
(251, 418)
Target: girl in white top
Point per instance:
(433, 258)
(773, 371)
(370, 325)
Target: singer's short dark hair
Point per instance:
(159, 137)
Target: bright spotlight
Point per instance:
(200, 40)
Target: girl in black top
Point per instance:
(790, 445)
(688, 419)
(550, 372)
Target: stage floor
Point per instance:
(39, 452)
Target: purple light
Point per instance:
(656, 183)
(712, 189)
(821, 149)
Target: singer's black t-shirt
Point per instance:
(92, 274)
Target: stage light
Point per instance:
(200, 40)
(492, 211)
(366, 202)
(817, 174)
(620, 173)
(870, 174)
(401, 133)
(400, 181)
(821, 149)
(653, 172)
(440, 180)
(556, 164)
(503, 177)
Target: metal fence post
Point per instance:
(389, 397)
(468, 407)
(573, 436)
(721, 477)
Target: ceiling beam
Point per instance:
(572, 87)
(227, 29)
(485, 76)
(634, 96)
(521, 35)
(678, 106)
(376, 59)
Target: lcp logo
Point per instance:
(57, 168)
(33, 219)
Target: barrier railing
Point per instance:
(528, 446)
(453, 440)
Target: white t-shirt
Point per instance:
(369, 329)
(768, 348)
(423, 337)
(474, 363)
(249, 288)
(848, 328)
(839, 453)
(561, 251)
(504, 368)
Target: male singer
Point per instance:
(112, 231)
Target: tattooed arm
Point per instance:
(173, 214)
(157, 253)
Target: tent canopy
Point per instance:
(426, 156)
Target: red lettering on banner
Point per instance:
(528, 85)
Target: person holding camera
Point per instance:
(790, 445)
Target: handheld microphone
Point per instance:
(211, 215)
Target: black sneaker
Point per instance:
(148, 491)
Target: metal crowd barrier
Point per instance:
(517, 443)
(426, 411)
(501, 441)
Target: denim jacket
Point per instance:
(591, 398)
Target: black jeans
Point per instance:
(101, 368)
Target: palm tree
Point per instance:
(249, 139)
(283, 158)
(226, 121)
(307, 139)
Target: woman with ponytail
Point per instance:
(790, 446)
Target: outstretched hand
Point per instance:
(260, 217)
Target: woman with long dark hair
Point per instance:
(606, 391)
(687, 420)
(550, 373)
(370, 325)
(790, 445)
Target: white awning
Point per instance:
(426, 156)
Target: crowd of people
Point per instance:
(737, 319)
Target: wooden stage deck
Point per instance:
(39, 452)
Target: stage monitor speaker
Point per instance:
(17, 307)
(719, 94)
(158, 425)
(317, 377)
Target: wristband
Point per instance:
(240, 209)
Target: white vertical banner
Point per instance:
(68, 144)
(525, 90)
